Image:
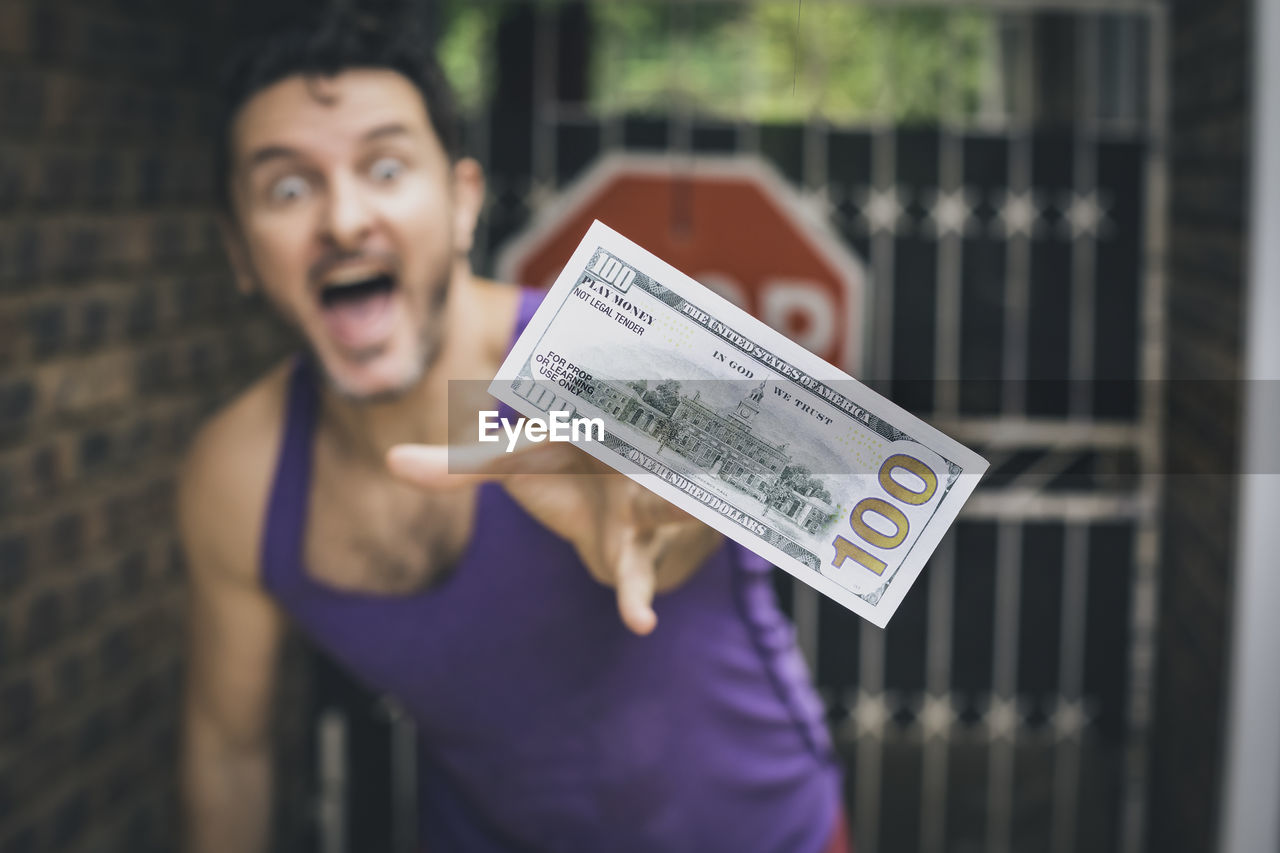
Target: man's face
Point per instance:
(349, 216)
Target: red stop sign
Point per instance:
(731, 223)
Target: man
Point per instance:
(552, 719)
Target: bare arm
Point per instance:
(234, 639)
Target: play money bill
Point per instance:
(737, 425)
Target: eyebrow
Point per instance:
(392, 129)
(283, 152)
(269, 153)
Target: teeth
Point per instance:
(352, 277)
(339, 281)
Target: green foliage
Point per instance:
(845, 62)
(465, 50)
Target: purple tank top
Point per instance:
(546, 725)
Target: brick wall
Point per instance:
(119, 330)
(1210, 72)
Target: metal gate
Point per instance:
(1015, 244)
(1015, 250)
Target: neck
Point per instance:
(364, 431)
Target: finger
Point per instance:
(428, 465)
(457, 466)
(651, 511)
(636, 579)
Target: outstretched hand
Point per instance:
(628, 537)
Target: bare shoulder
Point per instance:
(225, 478)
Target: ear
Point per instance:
(238, 255)
(468, 199)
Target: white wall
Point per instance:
(1251, 783)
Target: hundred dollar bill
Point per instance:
(739, 426)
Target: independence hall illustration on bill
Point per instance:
(721, 442)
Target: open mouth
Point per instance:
(357, 310)
(357, 290)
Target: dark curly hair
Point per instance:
(325, 43)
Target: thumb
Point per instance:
(440, 466)
(422, 464)
(636, 581)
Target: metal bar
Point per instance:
(883, 180)
(1002, 717)
(871, 698)
(1018, 238)
(331, 806)
(804, 615)
(611, 128)
(481, 137)
(1042, 471)
(1075, 584)
(993, 115)
(748, 131)
(884, 192)
(871, 714)
(1069, 716)
(1016, 432)
(576, 113)
(1083, 238)
(1122, 92)
(404, 781)
(681, 139)
(1035, 505)
(814, 178)
(946, 364)
(936, 717)
(543, 142)
(1143, 620)
(816, 133)
(1127, 35)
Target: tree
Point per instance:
(665, 397)
(846, 62)
(795, 476)
(782, 487)
(667, 432)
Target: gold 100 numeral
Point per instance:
(613, 270)
(846, 550)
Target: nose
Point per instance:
(347, 218)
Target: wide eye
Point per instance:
(386, 169)
(289, 188)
